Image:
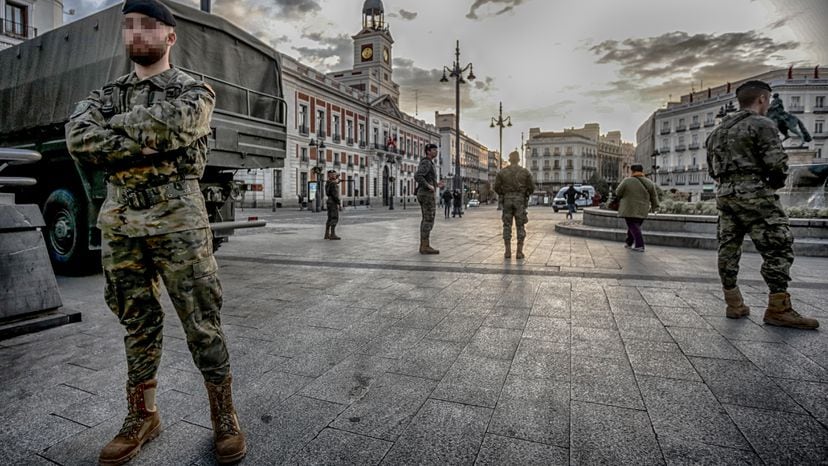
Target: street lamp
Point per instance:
(501, 123)
(456, 72)
(317, 170)
(391, 160)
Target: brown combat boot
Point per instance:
(229, 439)
(141, 425)
(780, 313)
(507, 254)
(425, 248)
(736, 308)
(333, 234)
(327, 232)
(519, 254)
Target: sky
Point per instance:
(553, 64)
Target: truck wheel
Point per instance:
(66, 233)
(555, 209)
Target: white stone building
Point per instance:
(24, 19)
(474, 156)
(679, 159)
(375, 146)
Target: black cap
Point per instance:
(151, 8)
(333, 172)
(755, 84)
(428, 147)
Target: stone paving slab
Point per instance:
(364, 352)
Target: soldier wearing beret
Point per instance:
(333, 204)
(148, 131)
(746, 158)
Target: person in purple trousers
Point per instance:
(638, 197)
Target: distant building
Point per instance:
(474, 156)
(24, 19)
(574, 155)
(676, 134)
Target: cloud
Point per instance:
(509, 6)
(331, 52)
(651, 68)
(408, 15)
(424, 86)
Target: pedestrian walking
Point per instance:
(427, 185)
(149, 131)
(638, 197)
(514, 184)
(572, 196)
(748, 162)
(333, 204)
(458, 204)
(446, 199)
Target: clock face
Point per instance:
(367, 52)
(386, 55)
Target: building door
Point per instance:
(385, 185)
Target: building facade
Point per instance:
(574, 155)
(349, 122)
(22, 19)
(474, 156)
(679, 160)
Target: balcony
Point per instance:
(709, 123)
(547, 154)
(694, 146)
(820, 109)
(336, 139)
(547, 168)
(337, 163)
(17, 30)
(695, 125)
(556, 154)
(363, 145)
(350, 164)
(349, 141)
(320, 134)
(303, 130)
(304, 158)
(681, 128)
(796, 109)
(665, 130)
(681, 148)
(664, 150)
(820, 135)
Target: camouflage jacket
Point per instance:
(332, 191)
(514, 180)
(745, 156)
(170, 113)
(426, 175)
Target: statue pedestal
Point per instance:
(803, 156)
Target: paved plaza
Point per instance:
(362, 351)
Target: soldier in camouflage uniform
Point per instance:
(514, 185)
(333, 204)
(746, 158)
(426, 179)
(148, 131)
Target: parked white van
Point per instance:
(560, 199)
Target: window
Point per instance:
(320, 123)
(820, 101)
(695, 121)
(819, 126)
(681, 123)
(534, 152)
(16, 20)
(796, 101)
(303, 188)
(362, 133)
(665, 126)
(277, 183)
(349, 130)
(335, 126)
(303, 118)
(303, 154)
(376, 137)
(350, 183)
(709, 117)
(819, 152)
(375, 187)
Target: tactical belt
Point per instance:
(146, 198)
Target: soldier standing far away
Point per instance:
(148, 131)
(333, 204)
(426, 179)
(746, 158)
(514, 184)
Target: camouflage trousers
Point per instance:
(767, 224)
(134, 268)
(429, 208)
(333, 214)
(514, 207)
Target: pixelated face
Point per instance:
(431, 153)
(146, 39)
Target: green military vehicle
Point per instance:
(42, 79)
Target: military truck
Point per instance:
(42, 79)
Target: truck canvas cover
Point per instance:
(42, 79)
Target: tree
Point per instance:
(600, 185)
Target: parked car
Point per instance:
(560, 199)
(474, 203)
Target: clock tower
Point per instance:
(373, 70)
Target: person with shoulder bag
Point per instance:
(636, 197)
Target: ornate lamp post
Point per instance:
(501, 123)
(456, 72)
(317, 170)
